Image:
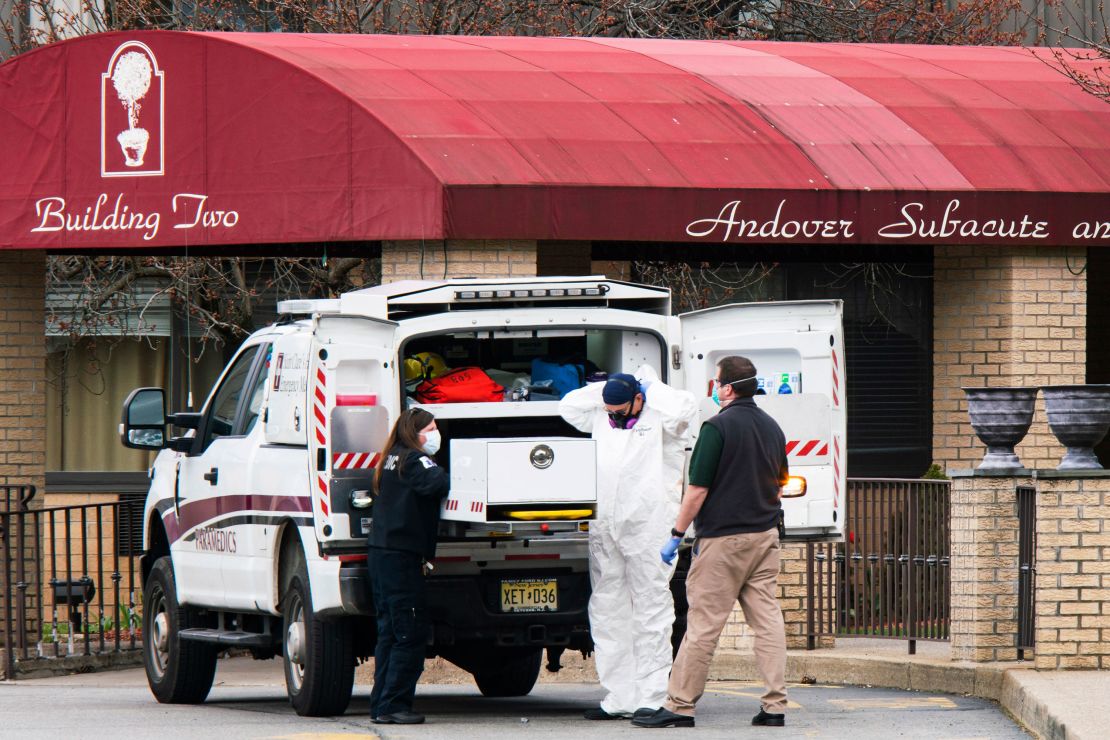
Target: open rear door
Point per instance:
(353, 395)
(798, 351)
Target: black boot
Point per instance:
(766, 719)
(662, 717)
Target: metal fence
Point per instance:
(69, 579)
(1027, 567)
(890, 578)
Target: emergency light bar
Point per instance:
(504, 294)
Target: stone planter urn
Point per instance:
(1079, 416)
(1000, 418)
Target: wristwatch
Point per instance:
(676, 533)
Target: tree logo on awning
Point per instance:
(132, 108)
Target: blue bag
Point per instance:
(564, 377)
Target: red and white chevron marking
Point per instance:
(835, 379)
(451, 505)
(806, 448)
(354, 460)
(320, 425)
(477, 507)
(836, 472)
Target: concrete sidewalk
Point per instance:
(1056, 705)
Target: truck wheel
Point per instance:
(318, 654)
(514, 677)
(178, 671)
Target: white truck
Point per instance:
(256, 517)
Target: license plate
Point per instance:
(529, 595)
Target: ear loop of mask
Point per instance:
(741, 380)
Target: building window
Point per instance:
(887, 329)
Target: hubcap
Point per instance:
(294, 645)
(161, 632)
(159, 636)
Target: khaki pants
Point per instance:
(724, 569)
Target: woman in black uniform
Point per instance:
(410, 487)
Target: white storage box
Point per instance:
(522, 479)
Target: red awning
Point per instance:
(149, 139)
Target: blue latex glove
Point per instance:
(670, 550)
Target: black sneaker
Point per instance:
(766, 719)
(400, 718)
(662, 717)
(599, 713)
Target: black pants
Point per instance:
(397, 580)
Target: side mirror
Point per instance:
(143, 426)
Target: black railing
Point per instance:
(890, 578)
(66, 585)
(1027, 571)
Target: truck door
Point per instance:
(798, 351)
(211, 484)
(354, 397)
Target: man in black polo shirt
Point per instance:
(736, 473)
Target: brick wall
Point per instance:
(984, 568)
(1003, 316)
(1072, 590)
(23, 369)
(435, 260)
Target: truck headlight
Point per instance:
(795, 487)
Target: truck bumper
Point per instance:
(467, 608)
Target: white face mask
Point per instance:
(432, 442)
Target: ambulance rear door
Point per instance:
(798, 351)
(353, 397)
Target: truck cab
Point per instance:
(257, 514)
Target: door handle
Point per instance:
(212, 476)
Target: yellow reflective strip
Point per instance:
(562, 514)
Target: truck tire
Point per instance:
(513, 677)
(178, 671)
(318, 654)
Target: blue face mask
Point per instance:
(716, 385)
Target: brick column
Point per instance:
(1072, 586)
(22, 394)
(1003, 316)
(984, 567)
(23, 369)
(435, 260)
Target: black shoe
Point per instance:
(643, 712)
(599, 713)
(662, 717)
(766, 719)
(400, 718)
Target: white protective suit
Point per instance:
(639, 488)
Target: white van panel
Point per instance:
(797, 349)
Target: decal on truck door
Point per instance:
(217, 512)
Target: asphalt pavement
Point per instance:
(248, 701)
